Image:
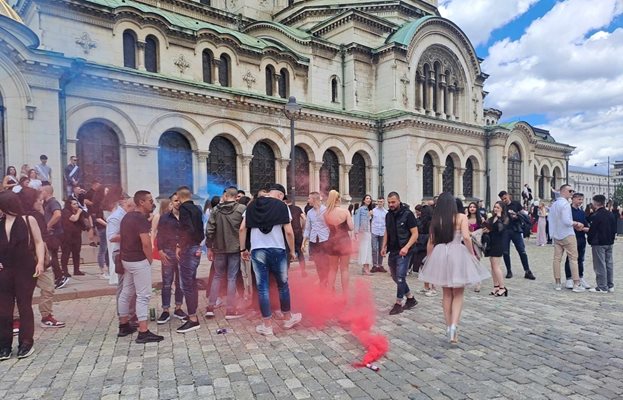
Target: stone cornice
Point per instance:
(353, 15)
(431, 124)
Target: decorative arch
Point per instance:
(336, 144)
(99, 153)
(179, 122)
(435, 149)
(364, 148)
(273, 137)
(232, 131)
(119, 120)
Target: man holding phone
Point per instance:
(514, 233)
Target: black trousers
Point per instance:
(72, 247)
(54, 245)
(16, 285)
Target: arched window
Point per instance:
(262, 166)
(357, 177)
(207, 59)
(334, 98)
(514, 171)
(301, 171)
(425, 85)
(270, 80)
(151, 54)
(329, 172)
(554, 182)
(224, 70)
(98, 152)
(175, 163)
(436, 88)
(221, 165)
(2, 138)
(468, 180)
(284, 83)
(428, 172)
(129, 49)
(542, 184)
(448, 176)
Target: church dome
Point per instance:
(7, 11)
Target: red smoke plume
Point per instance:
(322, 308)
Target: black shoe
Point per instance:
(410, 303)
(78, 273)
(25, 351)
(396, 309)
(381, 269)
(125, 330)
(148, 337)
(5, 353)
(189, 326)
(509, 275)
(529, 275)
(164, 318)
(61, 282)
(179, 314)
(374, 269)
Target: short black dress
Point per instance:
(496, 243)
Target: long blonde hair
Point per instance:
(333, 200)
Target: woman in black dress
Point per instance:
(19, 269)
(495, 227)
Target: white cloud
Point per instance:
(568, 66)
(479, 18)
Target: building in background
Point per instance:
(590, 182)
(153, 95)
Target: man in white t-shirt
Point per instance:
(269, 220)
(378, 231)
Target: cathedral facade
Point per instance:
(154, 94)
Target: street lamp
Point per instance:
(608, 163)
(292, 110)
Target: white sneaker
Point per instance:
(611, 290)
(578, 289)
(295, 318)
(569, 284)
(105, 276)
(557, 286)
(430, 293)
(584, 284)
(598, 290)
(264, 330)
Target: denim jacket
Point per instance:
(361, 220)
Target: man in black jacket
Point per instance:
(514, 233)
(401, 234)
(601, 238)
(189, 253)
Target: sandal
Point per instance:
(495, 290)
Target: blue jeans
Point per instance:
(398, 267)
(171, 272)
(225, 264)
(102, 250)
(189, 263)
(377, 258)
(509, 236)
(581, 253)
(273, 261)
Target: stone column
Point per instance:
(201, 177)
(344, 181)
(430, 84)
(458, 182)
(450, 110)
(441, 102)
(314, 183)
(282, 172)
(372, 184)
(419, 100)
(438, 181)
(140, 47)
(276, 79)
(456, 113)
(215, 73)
(244, 173)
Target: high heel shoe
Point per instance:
(453, 334)
(494, 291)
(502, 292)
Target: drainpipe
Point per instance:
(379, 138)
(67, 77)
(343, 55)
(487, 170)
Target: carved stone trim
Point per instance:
(249, 79)
(181, 63)
(86, 42)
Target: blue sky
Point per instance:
(557, 64)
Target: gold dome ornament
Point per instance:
(7, 11)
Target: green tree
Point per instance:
(618, 194)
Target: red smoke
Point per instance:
(322, 308)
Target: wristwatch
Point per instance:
(243, 250)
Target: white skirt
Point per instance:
(365, 248)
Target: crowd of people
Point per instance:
(252, 241)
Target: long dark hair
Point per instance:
(8, 169)
(442, 223)
(371, 205)
(504, 216)
(476, 214)
(460, 208)
(426, 215)
(10, 203)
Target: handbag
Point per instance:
(47, 260)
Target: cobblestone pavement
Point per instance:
(535, 344)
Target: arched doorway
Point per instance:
(301, 172)
(175, 163)
(262, 167)
(542, 184)
(98, 154)
(448, 176)
(329, 172)
(428, 176)
(514, 171)
(468, 179)
(357, 177)
(221, 165)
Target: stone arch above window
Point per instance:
(151, 54)
(129, 49)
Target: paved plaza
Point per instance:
(535, 344)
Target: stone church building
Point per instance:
(153, 94)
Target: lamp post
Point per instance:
(292, 111)
(608, 164)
